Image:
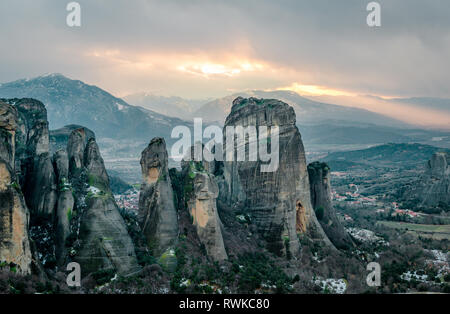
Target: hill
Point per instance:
(388, 155)
(74, 102)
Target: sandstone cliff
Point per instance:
(200, 193)
(278, 202)
(157, 214)
(14, 217)
(319, 179)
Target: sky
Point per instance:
(211, 48)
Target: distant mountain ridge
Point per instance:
(74, 102)
(307, 111)
(171, 106)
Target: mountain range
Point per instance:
(74, 102)
(172, 106)
(123, 129)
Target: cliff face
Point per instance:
(433, 187)
(14, 217)
(278, 202)
(319, 179)
(73, 213)
(201, 192)
(157, 214)
(33, 160)
(104, 241)
(65, 205)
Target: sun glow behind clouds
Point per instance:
(315, 90)
(192, 64)
(207, 69)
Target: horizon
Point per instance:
(386, 106)
(324, 51)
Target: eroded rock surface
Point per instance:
(14, 217)
(319, 179)
(201, 192)
(33, 161)
(157, 214)
(105, 242)
(432, 189)
(279, 201)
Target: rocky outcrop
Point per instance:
(69, 190)
(278, 202)
(319, 180)
(8, 126)
(157, 214)
(60, 137)
(75, 149)
(65, 205)
(432, 189)
(104, 240)
(201, 192)
(33, 161)
(14, 217)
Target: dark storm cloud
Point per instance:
(328, 41)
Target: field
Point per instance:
(437, 232)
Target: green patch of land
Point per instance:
(435, 231)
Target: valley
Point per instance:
(351, 193)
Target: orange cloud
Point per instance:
(315, 90)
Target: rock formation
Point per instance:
(201, 192)
(157, 214)
(60, 137)
(75, 149)
(33, 160)
(105, 242)
(14, 217)
(278, 201)
(433, 187)
(65, 205)
(319, 180)
(70, 190)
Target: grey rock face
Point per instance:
(75, 149)
(60, 137)
(279, 201)
(14, 217)
(157, 213)
(319, 179)
(40, 187)
(64, 210)
(201, 203)
(65, 205)
(105, 242)
(33, 162)
(433, 187)
(93, 162)
(61, 164)
(8, 126)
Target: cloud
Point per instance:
(205, 48)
